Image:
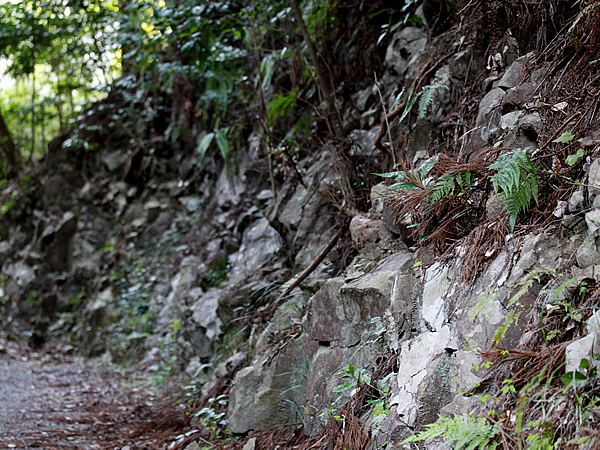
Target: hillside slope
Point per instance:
(310, 303)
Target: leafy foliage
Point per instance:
(461, 433)
(427, 96)
(446, 200)
(446, 184)
(516, 178)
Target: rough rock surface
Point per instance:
(193, 260)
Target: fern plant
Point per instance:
(462, 432)
(424, 97)
(446, 200)
(516, 179)
(446, 184)
(427, 95)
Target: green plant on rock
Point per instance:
(516, 179)
(214, 416)
(360, 379)
(445, 200)
(464, 432)
(423, 99)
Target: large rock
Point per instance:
(342, 314)
(291, 215)
(518, 97)
(114, 160)
(304, 214)
(584, 348)
(56, 243)
(594, 178)
(325, 316)
(324, 376)
(260, 245)
(363, 142)
(405, 49)
(98, 311)
(365, 230)
(488, 105)
(423, 375)
(205, 324)
(513, 75)
(271, 393)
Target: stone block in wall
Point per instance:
(323, 378)
(365, 230)
(342, 313)
(594, 179)
(422, 363)
(205, 325)
(490, 103)
(271, 393)
(405, 48)
(260, 245)
(56, 243)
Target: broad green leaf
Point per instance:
(204, 144)
(409, 104)
(564, 138)
(398, 98)
(402, 187)
(427, 166)
(394, 175)
(222, 142)
(574, 158)
(344, 387)
(267, 66)
(574, 378)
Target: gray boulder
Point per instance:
(272, 391)
(405, 49)
(56, 243)
(260, 245)
(205, 324)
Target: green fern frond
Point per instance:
(427, 94)
(516, 178)
(446, 184)
(409, 104)
(461, 433)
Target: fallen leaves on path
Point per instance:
(57, 402)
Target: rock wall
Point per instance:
(194, 252)
(429, 318)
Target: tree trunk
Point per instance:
(58, 101)
(8, 149)
(32, 114)
(324, 86)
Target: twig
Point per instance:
(324, 87)
(387, 124)
(557, 132)
(505, 437)
(310, 268)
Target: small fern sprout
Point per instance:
(427, 95)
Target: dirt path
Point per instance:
(51, 402)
